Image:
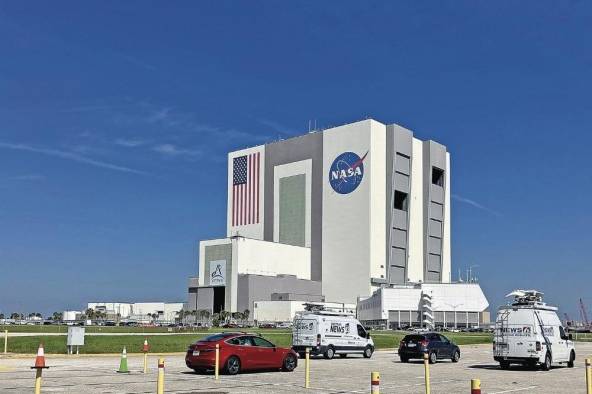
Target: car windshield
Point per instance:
(413, 338)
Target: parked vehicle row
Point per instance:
(527, 332)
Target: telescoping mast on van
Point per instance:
(529, 332)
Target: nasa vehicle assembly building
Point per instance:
(345, 214)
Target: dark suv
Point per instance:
(437, 346)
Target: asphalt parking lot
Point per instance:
(96, 374)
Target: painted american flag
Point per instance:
(245, 189)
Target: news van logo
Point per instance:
(346, 172)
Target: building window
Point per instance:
(437, 176)
(401, 200)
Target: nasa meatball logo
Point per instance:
(346, 172)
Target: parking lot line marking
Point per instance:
(515, 390)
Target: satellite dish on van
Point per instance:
(516, 293)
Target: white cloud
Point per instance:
(475, 204)
(129, 143)
(70, 156)
(173, 150)
(277, 127)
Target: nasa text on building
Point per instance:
(331, 215)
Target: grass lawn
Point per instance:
(179, 343)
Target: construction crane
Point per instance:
(583, 314)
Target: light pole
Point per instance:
(470, 278)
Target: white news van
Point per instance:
(529, 332)
(330, 333)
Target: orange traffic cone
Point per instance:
(40, 359)
(146, 348)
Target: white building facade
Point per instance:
(346, 211)
(447, 305)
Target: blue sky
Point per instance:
(115, 120)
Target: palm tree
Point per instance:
(56, 316)
(246, 314)
(90, 314)
(2, 316)
(15, 315)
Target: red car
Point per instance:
(239, 352)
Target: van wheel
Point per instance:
(329, 353)
(572, 358)
(368, 352)
(547, 364)
(433, 357)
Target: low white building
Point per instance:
(451, 305)
(71, 316)
(236, 272)
(139, 311)
(284, 311)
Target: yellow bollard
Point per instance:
(589, 376)
(475, 386)
(375, 383)
(38, 381)
(307, 368)
(160, 381)
(217, 366)
(426, 365)
(5, 341)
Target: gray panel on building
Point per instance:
(434, 263)
(434, 246)
(309, 146)
(402, 182)
(435, 229)
(252, 288)
(205, 298)
(292, 210)
(437, 194)
(402, 164)
(213, 253)
(399, 238)
(400, 219)
(432, 276)
(436, 211)
(218, 252)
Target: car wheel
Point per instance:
(343, 355)
(572, 358)
(504, 365)
(289, 363)
(404, 359)
(433, 357)
(547, 364)
(455, 356)
(232, 365)
(368, 352)
(329, 353)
